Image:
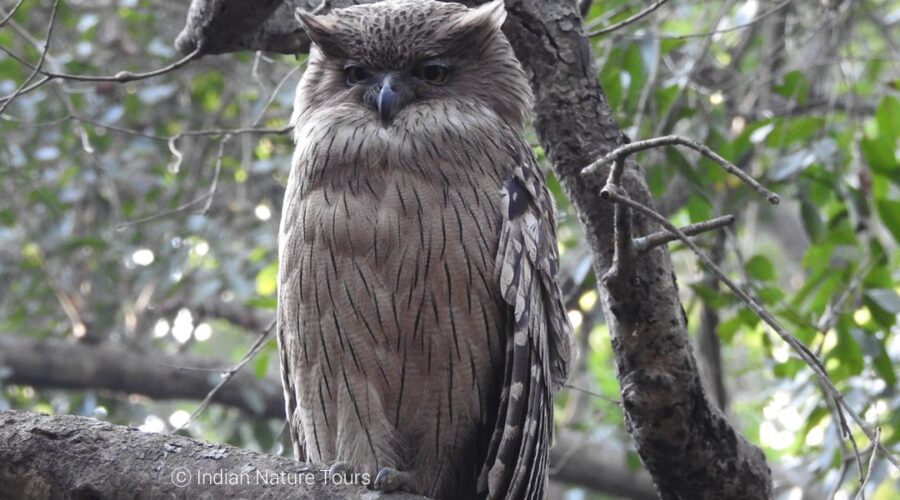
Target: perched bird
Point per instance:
(421, 329)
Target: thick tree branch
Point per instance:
(75, 457)
(56, 364)
(67, 365)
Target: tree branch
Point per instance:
(36, 461)
(67, 365)
(64, 365)
(631, 20)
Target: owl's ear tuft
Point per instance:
(488, 16)
(322, 30)
(476, 25)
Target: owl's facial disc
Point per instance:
(388, 92)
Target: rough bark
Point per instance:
(80, 458)
(686, 443)
(67, 365)
(63, 365)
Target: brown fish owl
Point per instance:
(421, 329)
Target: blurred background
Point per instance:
(138, 225)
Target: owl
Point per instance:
(421, 330)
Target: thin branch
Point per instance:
(229, 374)
(672, 140)
(237, 131)
(206, 132)
(35, 69)
(11, 13)
(748, 24)
(594, 394)
(864, 480)
(615, 194)
(215, 182)
(606, 17)
(833, 309)
(633, 19)
(644, 244)
(693, 67)
(624, 253)
(27, 89)
(120, 77)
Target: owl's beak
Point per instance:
(387, 100)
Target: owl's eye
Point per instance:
(355, 74)
(435, 74)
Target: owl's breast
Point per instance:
(379, 212)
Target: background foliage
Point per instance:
(129, 214)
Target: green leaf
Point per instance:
(48, 198)
(84, 242)
(760, 268)
(884, 366)
(699, 209)
(711, 297)
(848, 352)
(812, 220)
(887, 116)
(267, 280)
(269, 303)
(889, 211)
(788, 369)
(794, 86)
(793, 130)
(728, 328)
(770, 294)
(7, 217)
(261, 364)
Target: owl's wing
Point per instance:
(538, 340)
(285, 349)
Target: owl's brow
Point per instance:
(439, 59)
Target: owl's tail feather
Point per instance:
(518, 456)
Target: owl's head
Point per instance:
(411, 57)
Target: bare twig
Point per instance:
(644, 244)
(616, 194)
(833, 309)
(633, 19)
(11, 13)
(120, 77)
(623, 257)
(592, 24)
(227, 375)
(748, 24)
(206, 132)
(594, 394)
(671, 140)
(864, 479)
(35, 69)
(215, 182)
